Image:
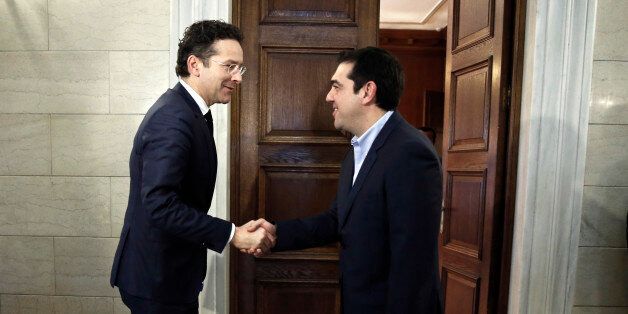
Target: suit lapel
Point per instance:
(189, 101)
(344, 184)
(367, 165)
(198, 115)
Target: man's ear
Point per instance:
(194, 65)
(369, 90)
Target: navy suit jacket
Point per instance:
(162, 250)
(387, 224)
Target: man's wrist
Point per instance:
(233, 229)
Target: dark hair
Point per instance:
(377, 65)
(198, 40)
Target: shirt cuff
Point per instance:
(232, 232)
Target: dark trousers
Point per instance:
(147, 306)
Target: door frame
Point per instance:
(556, 83)
(512, 154)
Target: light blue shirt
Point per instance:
(362, 145)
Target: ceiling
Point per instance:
(413, 14)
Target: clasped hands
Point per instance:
(255, 237)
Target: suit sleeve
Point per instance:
(166, 145)
(308, 232)
(413, 193)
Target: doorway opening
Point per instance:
(416, 34)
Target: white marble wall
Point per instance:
(76, 77)
(602, 274)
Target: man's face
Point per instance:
(216, 85)
(346, 105)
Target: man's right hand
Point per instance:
(255, 225)
(257, 241)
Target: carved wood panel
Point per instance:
(462, 292)
(464, 215)
(293, 108)
(298, 282)
(293, 192)
(342, 12)
(298, 297)
(470, 107)
(473, 22)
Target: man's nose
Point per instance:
(329, 98)
(237, 77)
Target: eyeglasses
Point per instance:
(232, 69)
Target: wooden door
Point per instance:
(477, 77)
(286, 154)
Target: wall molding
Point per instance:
(552, 150)
(215, 296)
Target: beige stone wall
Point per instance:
(76, 77)
(602, 274)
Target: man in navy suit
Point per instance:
(161, 259)
(386, 214)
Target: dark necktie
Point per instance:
(210, 122)
(210, 125)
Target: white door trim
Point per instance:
(554, 124)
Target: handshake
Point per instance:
(255, 237)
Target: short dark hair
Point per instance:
(198, 40)
(377, 65)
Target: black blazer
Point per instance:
(162, 250)
(387, 225)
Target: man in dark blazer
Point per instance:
(386, 214)
(160, 262)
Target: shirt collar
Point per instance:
(197, 98)
(369, 136)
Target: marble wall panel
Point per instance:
(54, 82)
(607, 161)
(83, 266)
(89, 145)
(602, 277)
(25, 144)
(27, 265)
(109, 25)
(138, 78)
(54, 206)
(24, 25)
(609, 93)
(611, 30)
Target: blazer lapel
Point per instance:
(367, 165)
(198, 115)
(189, 101)
(344, 185)
(364, 170)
